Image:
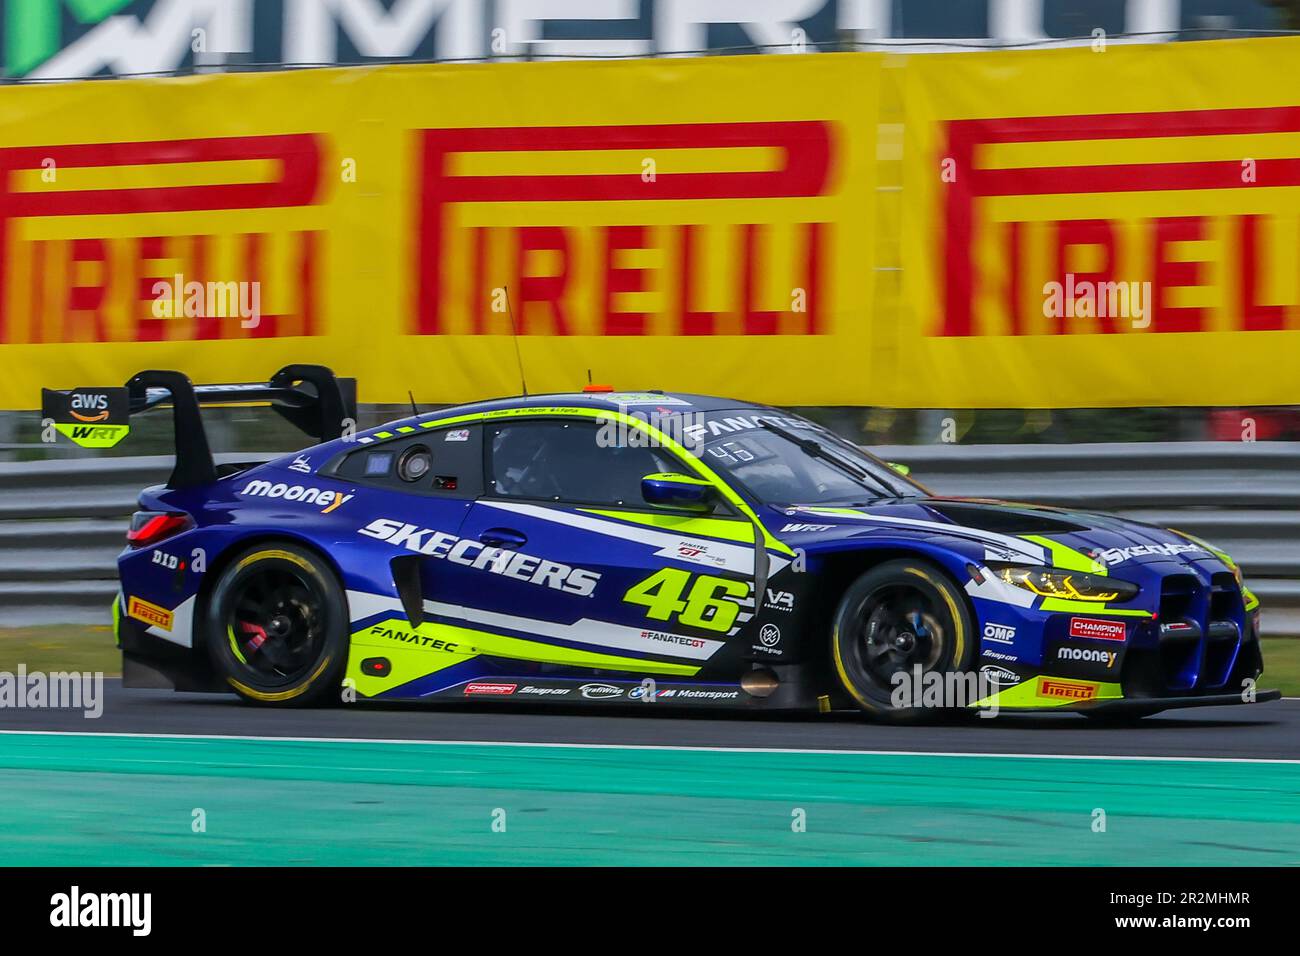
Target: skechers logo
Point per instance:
(1112, 556)
(480, 557)
(331, 500)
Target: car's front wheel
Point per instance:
(277, 627)
(896, 624)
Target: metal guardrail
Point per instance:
(61, 522)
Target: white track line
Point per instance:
(665, 747)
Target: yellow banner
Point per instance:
(1101, 226)
(694, 225)
(1019, 228)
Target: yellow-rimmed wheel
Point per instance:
(899, 630)
(277, 627)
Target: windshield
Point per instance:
(785, 460)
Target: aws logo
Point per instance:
(89, 408)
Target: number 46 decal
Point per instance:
(706, 605)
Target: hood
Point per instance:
(994, 531)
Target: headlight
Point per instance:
(1069, 585)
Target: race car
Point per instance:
(604, 547)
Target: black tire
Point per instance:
(277, 627)
(895, 616)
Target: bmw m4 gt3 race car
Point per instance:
(604, 547)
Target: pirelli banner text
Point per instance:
(1102, 226)
(1075, 228)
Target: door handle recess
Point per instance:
(503, 538)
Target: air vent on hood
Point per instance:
(1003, 519)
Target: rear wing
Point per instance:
(309, 397)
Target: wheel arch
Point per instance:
(223, 559)
(839, 571)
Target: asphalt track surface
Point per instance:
(165, 778)
(1262, 731)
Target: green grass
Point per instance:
(60, 647)
(1282, 665)
(64, 647)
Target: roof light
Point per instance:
(597, 388)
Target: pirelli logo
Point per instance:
(623, 230)
(142, 610)
(1200, 204)
(82, 247)
(1053, 688)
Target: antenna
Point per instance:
(514, 335)
(414, 409)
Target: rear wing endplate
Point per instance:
(309, 397)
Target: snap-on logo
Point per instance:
(1092, 629)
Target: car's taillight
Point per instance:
(150, 527)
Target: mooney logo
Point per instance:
(1017, 218)
(100, 288)
(329, 500)
(544, 262)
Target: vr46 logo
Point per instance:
(706, 605)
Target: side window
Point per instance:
(563, 461)
(446, 462)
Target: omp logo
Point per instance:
(999, 633)
(1057, 689)
(329, 500)
(1118, 198)
(554, 289)
(100, 288)
(142, 610)
(88, 408)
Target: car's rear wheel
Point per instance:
(277, 627)
(893, 619)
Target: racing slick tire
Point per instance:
(892, 618)
(277, 627)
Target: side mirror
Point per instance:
(682, 492)
(903, 470)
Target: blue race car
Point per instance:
(606, 547)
